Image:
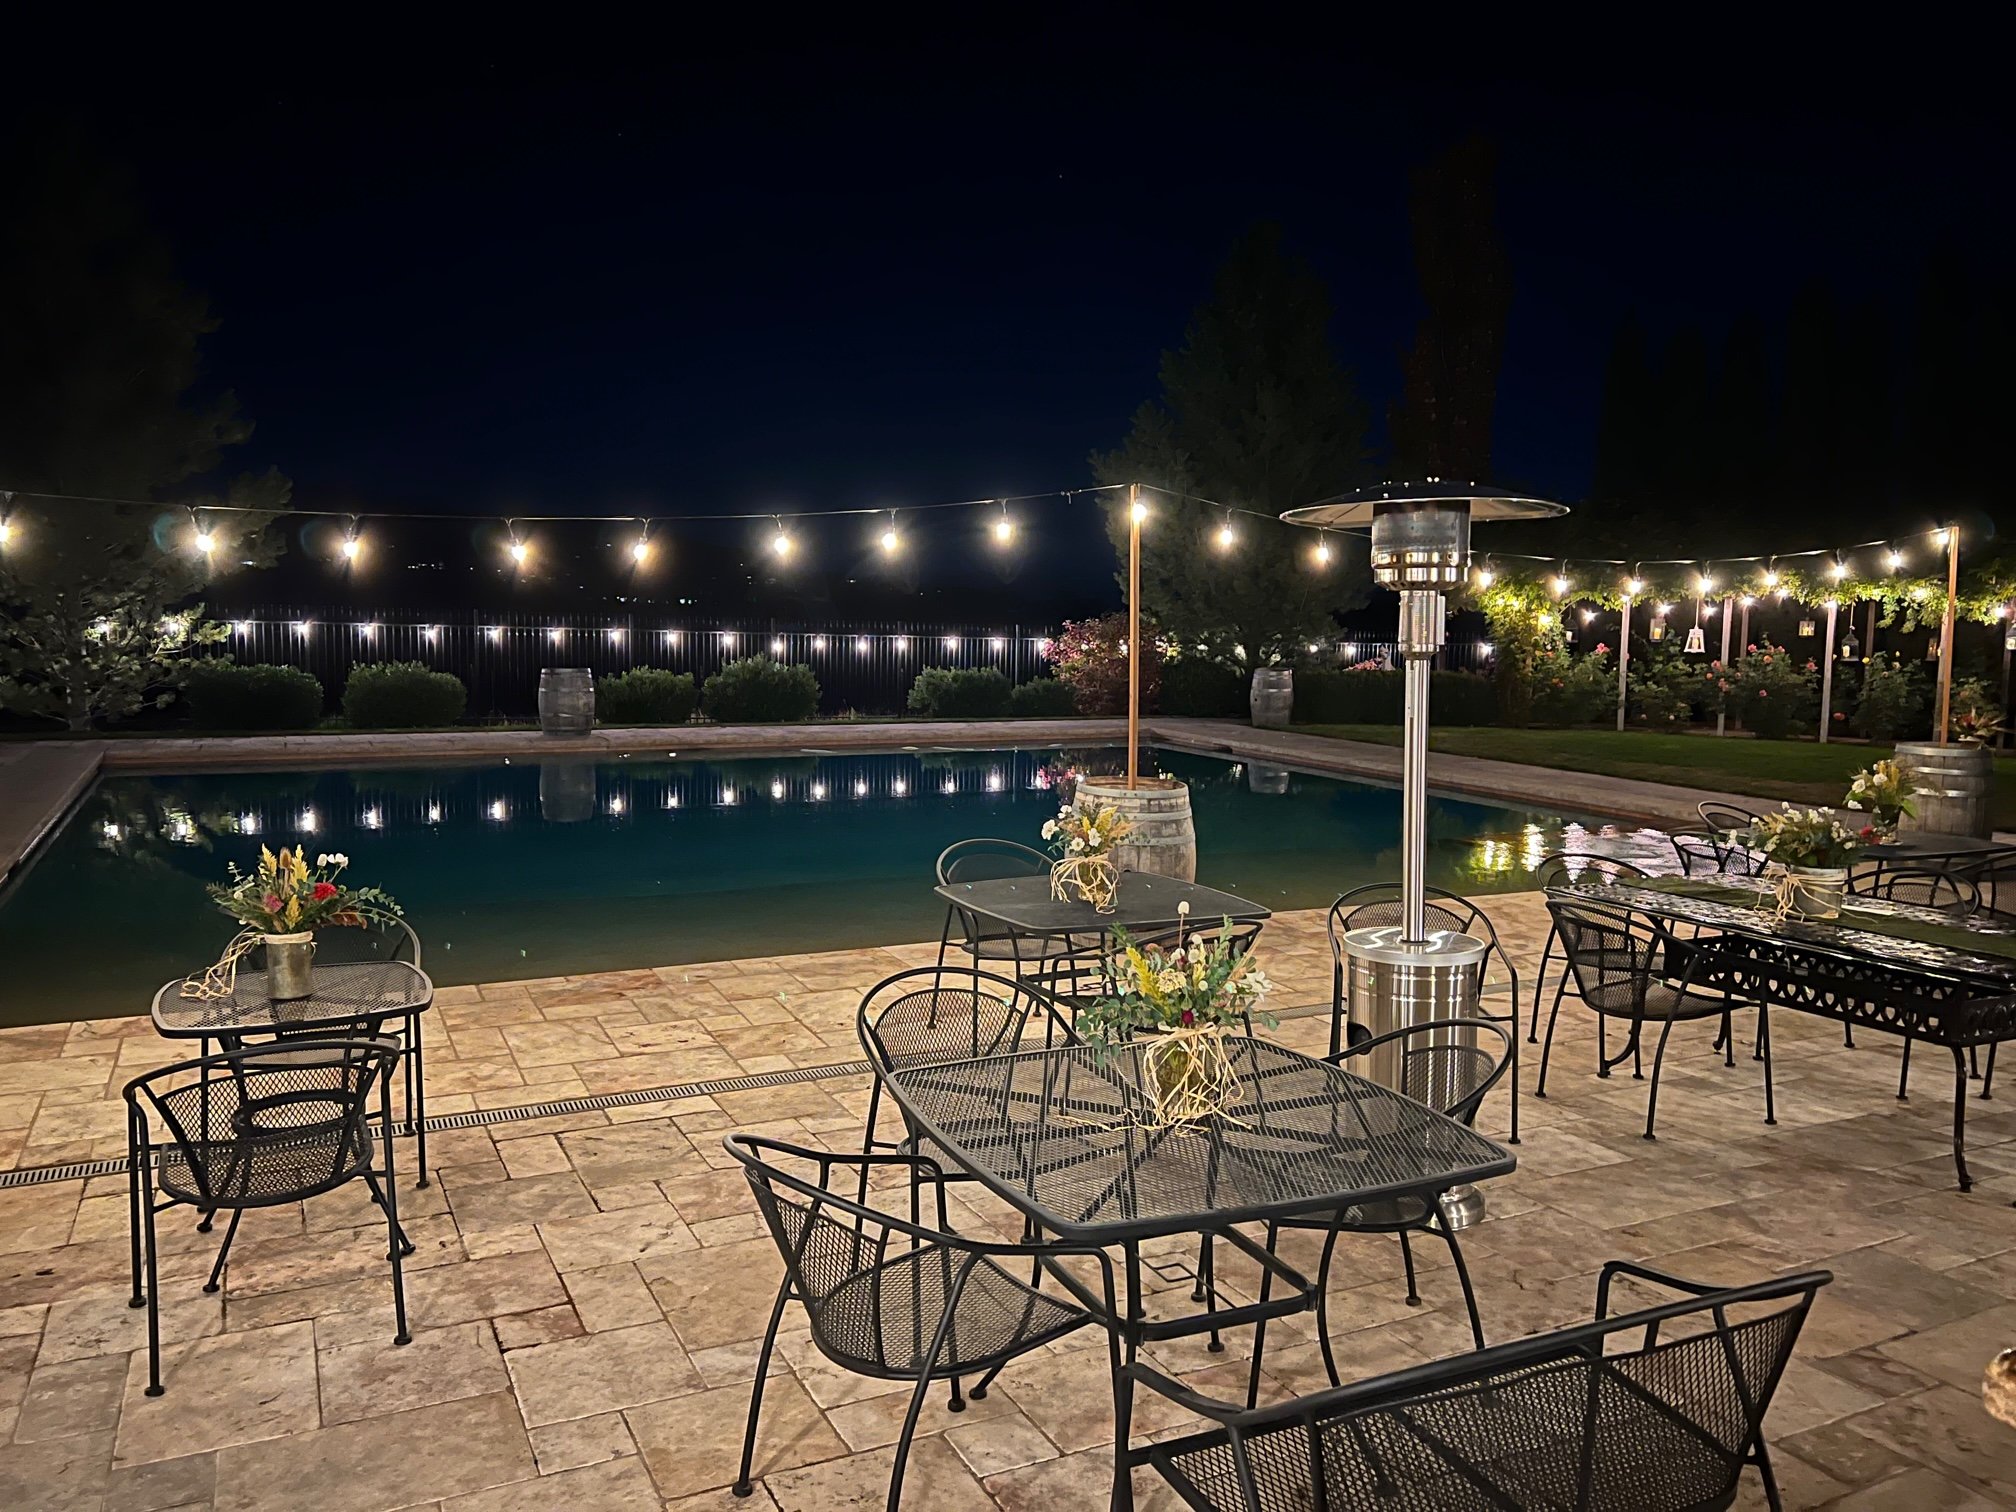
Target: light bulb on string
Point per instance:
(1322, 552)
(1561, 584)
(1771, 577)
(1705, 584)
(1939, 538)
(1486, 577)
(1137, 512)
(1227, 536)
(1004, 528)
(781, 543)
(205, 542)
(891, 541)
(1633, 587)
(1837, 570)
(520, 552)
(640, 549)
(1893, 560)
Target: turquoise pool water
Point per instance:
(539, 869)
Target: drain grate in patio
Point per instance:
(483, 1118)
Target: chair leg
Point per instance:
(224, 1249)
(1762, 1460)
(1848, 1035)
(1764, 1033)
(742, 1486)
(1208, 1279)
(1323, 1307)
(1463, 1279)
(1407, 1259)
(1547, 1049)
(134, 1155)
(1540, 986)
(1728, 1040)
(1904, 1070)
(1260, 1328)
(1200, 1291)
(909, 1433)
(416, 1096)
(1658, 1060)
(396, 1242)
(154, 1387)
(1514, 1138)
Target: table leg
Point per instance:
(416, 1093)
(1123, 1386)
(1960, 1118)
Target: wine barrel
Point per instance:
(1955, 783)
(1269, 781)
(566, 700)
(1272, 697)
(566, 791)
(1163, 839)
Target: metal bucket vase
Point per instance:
(1814, 892)
(1161, 837)
(1955, 785)
(566, 700)
(1272, 697)
(290, 965)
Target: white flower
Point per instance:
(1077, 844)
(1183, 909)
(1049, 829)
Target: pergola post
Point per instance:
(1827, 673)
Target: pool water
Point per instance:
(534, 869)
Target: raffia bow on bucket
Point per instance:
(215, 983)
(1093, 879)
(1188, 1076)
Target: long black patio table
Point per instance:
(1062, 1135)
(1896, 967)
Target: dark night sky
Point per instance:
(618, 276)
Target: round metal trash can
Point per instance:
(1391, 984)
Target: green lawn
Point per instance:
(1803, 771)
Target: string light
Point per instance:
(640, 549)
(206, 542)
(1322, 552)
(1486, 577)
(1561, 585)
(1894, 560)
(1227, 536)
(1705, 584)
(1664, 610)
(520, 552)
(1939, 538)
(1771, 577)
(1137, 512)
(1633, 587)
(780, 543)
(368, 631)
(891, 541)
(1004, 528)
(1837, 570)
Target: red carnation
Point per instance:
(324, 891)
(271, 903)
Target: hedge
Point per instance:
(402, 696)
(1456, 698)
(646, 695)
(960, 693)
(1043, 698)
(1202, 688)
(757, 690)
(222, 695)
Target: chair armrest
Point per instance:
(1183, 1396)
(1616, 1268)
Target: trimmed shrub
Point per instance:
(1573, 690)
(1457, 698)
(757, 690)
(1202, 688)
(959, 693)
(1043, 698)
(1089, 661)
(1895, 700)
(646, 695)
(222, 695)
(402, 696)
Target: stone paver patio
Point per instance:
(589, 1288)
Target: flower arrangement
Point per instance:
(1973, 714)
(1185, 997)
(1804, 838)
(1883, 791)
(288, 896)
(1084, 840)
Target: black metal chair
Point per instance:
(1705, 852)
(892, 1298)
(932, 1014)
(1618, 960)
(984, 860)
(1726, 816)
(1553, 871)
(394, 940)
(1378, 903)
(1583, 1419)
(257, 1127)
(1952, 894)
(1438, 1065)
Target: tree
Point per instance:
(1255, 412)
(99, 397)
(1443, 425)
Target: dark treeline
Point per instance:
(1838, 421)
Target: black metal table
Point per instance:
(1941, 993)
(1934, 845)
(1058, 1134)
(348, 997)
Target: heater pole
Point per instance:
(1420, 639)
(1133, 636)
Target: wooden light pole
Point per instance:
(1134, 514)
(1946, 631)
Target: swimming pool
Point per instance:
(545, 868)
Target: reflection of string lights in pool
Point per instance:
(373, 819)
(860, 789)
(248, 824)
(616, 804)
(776, 789)
(433, 813)
(671, 800)
(818, 791)
(728, 797)
(993, 782)
(499, 810)
(308, 821)
(948, 786)
(900, 788)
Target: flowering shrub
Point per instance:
(286, 895)
(1572, 690)
(1974, 713)
(1767, 688)
(1894, 700)
(1089, 659)
(1663, 690)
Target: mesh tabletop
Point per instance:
(1933, 845)
(1059, 1134)
(1142, 900)
(1838, 938)
(345, 993)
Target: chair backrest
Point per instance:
(1726, 816)
(1575, 866)
(1928, 889)
(857, 1269)
(1701, 852)
(1581, 1418)
(1614, 953)
(983, 860)
(394, 940)
(1448, 1064)
(267, 1123)
(945, 1013)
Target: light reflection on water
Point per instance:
(561, 867)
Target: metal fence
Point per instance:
(866, 666)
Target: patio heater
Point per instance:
(1407, 973)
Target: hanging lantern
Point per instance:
(1806, 627)
(1658, 630)
(1697, 643)
(1851, 648)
